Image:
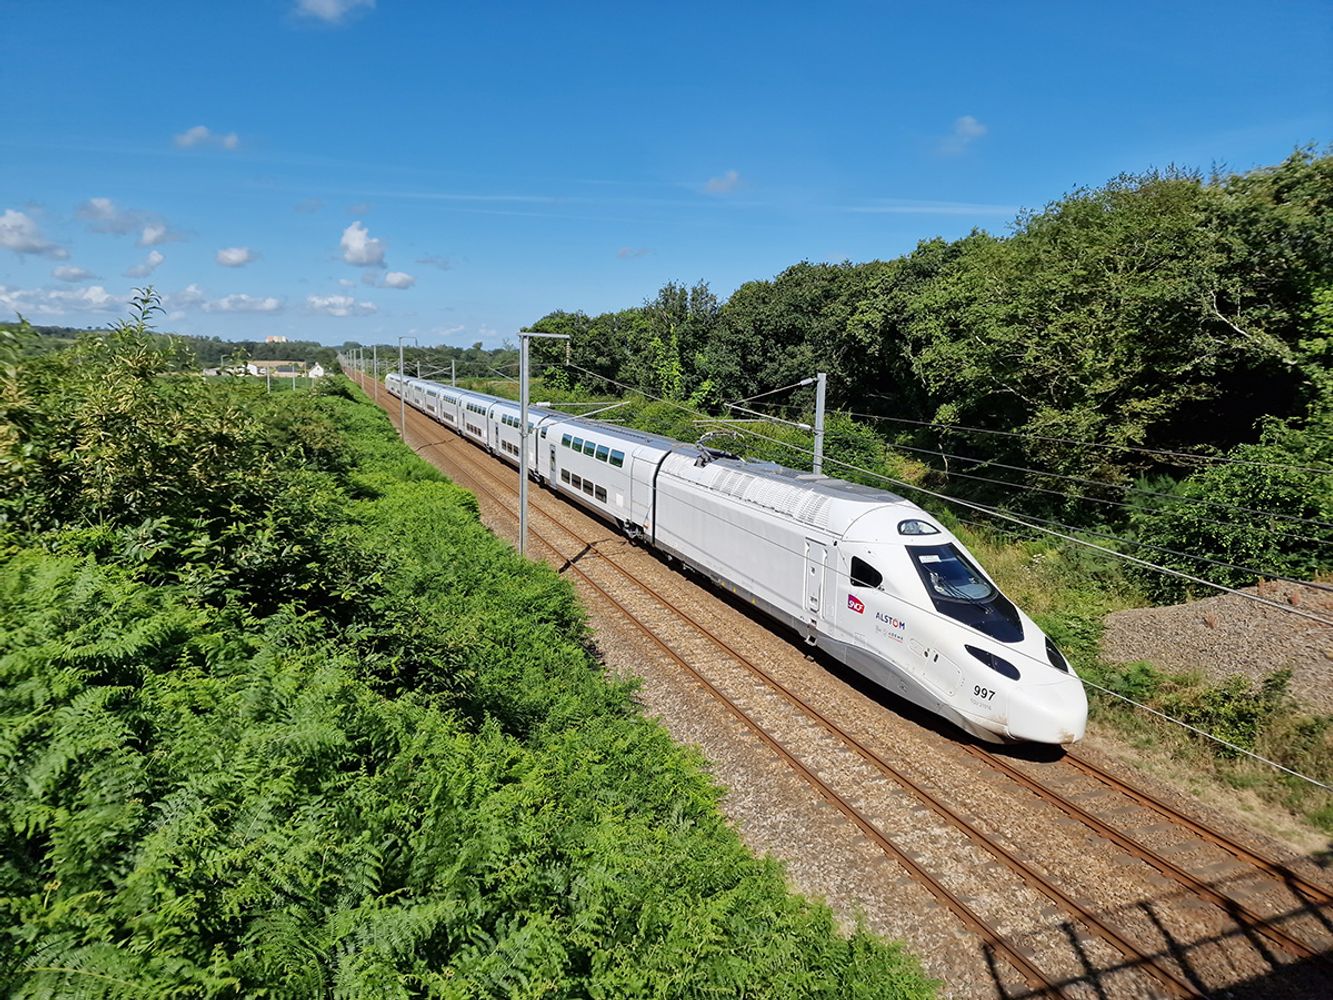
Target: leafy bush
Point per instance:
(1278, 475)
(340, 742)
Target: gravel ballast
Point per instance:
(1227, 636)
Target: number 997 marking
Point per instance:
(985, 694)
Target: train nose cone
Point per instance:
(1049, 713)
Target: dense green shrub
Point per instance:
(325, 735)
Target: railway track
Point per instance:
(1168, 973)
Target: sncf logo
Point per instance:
(856, 604)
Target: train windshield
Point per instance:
(947, 573)
(958, 590)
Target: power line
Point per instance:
(1090, 444)
(1084, 480)
(1005, 515)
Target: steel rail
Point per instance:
(1298, 884)
(1031, 973)
(1175, 985)
(1083, 914)
(1238, 911)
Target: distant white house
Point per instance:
(316, 371)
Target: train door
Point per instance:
(816, 562)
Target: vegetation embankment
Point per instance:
(278, 717)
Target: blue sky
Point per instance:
(359, 170)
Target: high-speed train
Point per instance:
(860, 572)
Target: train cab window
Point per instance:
(603, 453)
(578, 444)
(600, 493)
(544, 430)
(865, 575)
(958, 590)
(618, 459)
(589, 447)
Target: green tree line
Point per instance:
(1165, 311)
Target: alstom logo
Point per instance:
(856, 604)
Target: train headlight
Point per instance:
(997, 663)
(1057, 658)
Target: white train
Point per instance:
(859, 572)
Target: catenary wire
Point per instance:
(1220, 459)
(1084, 480)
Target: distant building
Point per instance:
(278, 369)
(275, 340)
(316, 370)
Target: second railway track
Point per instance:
(1125, 961)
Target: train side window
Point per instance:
(603, 452)
(544, 430)
(600, 493)
(578, 444)
(576, 482)
(618, 459)
(587, 486)
(564, 475)
(865, 575)
(564, 440)
(589, 447)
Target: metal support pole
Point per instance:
(375, 355)
(523, 447)
(268, 379)
(818, 468)
(402, 389)
(453, 372)
(524, 433)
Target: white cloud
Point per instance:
(628, 253)
(725, 184)
(60, 302)
(235, 256)
(443, 263)
(202, 135)
(360, 248)
(104, 216)
(966, 130)
(72, 274)
(147, 266)
(242, 303)
(397, 279)
(188, 297)
(330, 11)
(347, 282)
(339, 305)
(19, 232)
